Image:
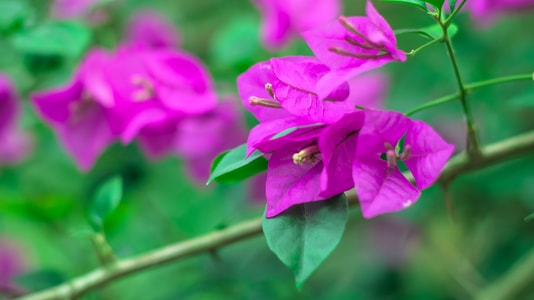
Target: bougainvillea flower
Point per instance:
(485, 11)
(286, 86)
(294, 171)
(150, 29)
(353, 45)
(77, 111)
(151, 86)
(380, 186)
(14, 144)
(283, 18)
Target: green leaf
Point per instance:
(105, 200)
(436, 3)
(417, 3)
(67, 39)
(436, 32)
(529, 217)
(232, 166)
(306, 234)
(13, 15)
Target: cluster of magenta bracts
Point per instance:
(283, 19)
(320, 132)
(146, 91)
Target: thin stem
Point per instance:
(432, 42)
(454, 13)
(494, 153)
(410, 30)
(442, 100)
(469, 88)
(472, 142)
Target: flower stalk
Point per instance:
(473, 149)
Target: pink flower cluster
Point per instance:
(318, 143)
(149, 92)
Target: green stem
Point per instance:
(454, 13)
(432, 42)
(469, 88)
(410, 30)
(472, 143)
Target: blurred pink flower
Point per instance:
(153, 86)
(117, 96)
(485, 11)
(150, 29)
(70, 9)
(282, 19)
(14, 144)
(77, 111)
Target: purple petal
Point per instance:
(289, 184)
(429, 153)
(182, 81)
(381, 127)
(8, 104)
(158, 140)
(266, 130)
(338, 150)
(333, 34)
(381, 190)
(252, 83)
(85, 139)
(54, 105)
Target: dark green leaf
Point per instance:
(529, 217)
(418, 3)
(306, 234)
(231, 166)
(436, 3)
(67, 39)
(105, 200)
(436, 32)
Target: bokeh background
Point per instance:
(438, 249)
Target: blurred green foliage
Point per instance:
(426, 252)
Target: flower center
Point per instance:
(145, 91)
(392, 156)
(265, 102)
(306, 154)
(364, 43)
